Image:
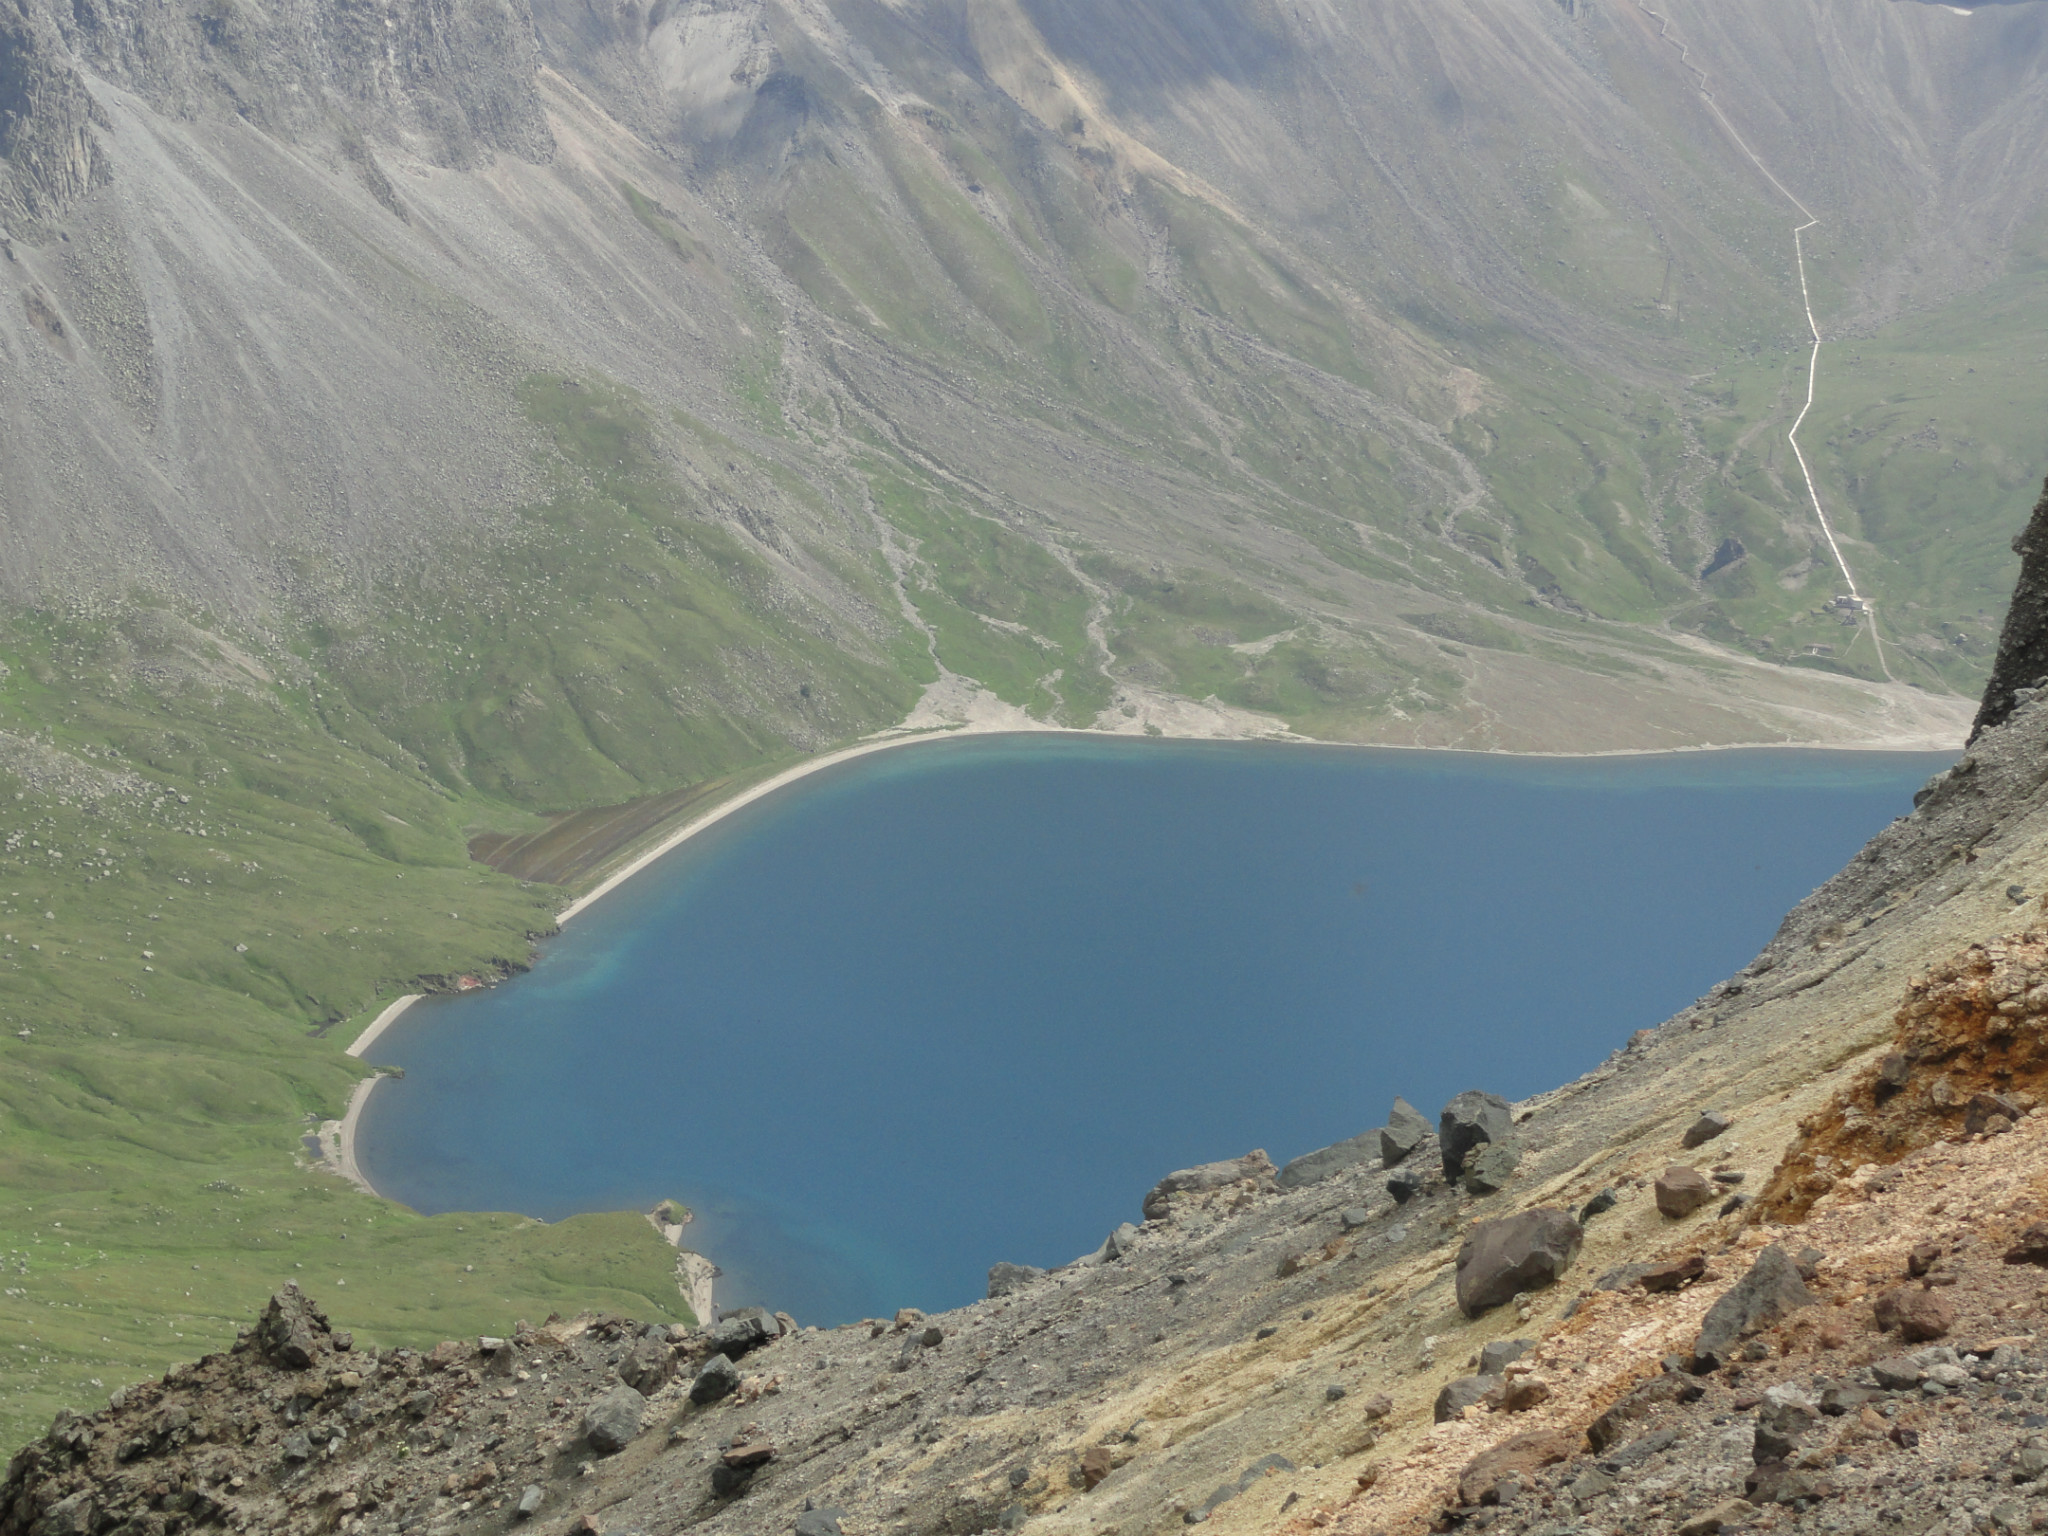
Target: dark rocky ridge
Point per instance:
(2023, 643)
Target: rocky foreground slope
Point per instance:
(1778, 1263)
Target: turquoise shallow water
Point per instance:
(966, 1001)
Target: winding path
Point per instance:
(1812, 325)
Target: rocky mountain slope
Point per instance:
(1119, 339)
(1775, 1265)
(420, 424)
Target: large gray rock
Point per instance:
(739, 1333)
(1514, 1254)
(1463, 1393)
(1311, 1166)
(1710, 1124)
(1468, 1120)
(1008, 1279)
(1500, 1354)
(610, 1423)
(647, 1365)
(1771, 1292)
(1254, 1166)
(719, 1378)
(820, 1522)
(1489, 1166)
(1404, 1131)
(292, 1331)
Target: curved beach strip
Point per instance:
(788, 776)
(382, 1022)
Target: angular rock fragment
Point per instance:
(2032, 1248)
(647, 1365)
(742, 1332)
(1478, 1483)
(1496, 1357)
(1599, 1205)
(1520, 1253)
(820, 1522)
(1467, 1121)
(1918, 1314)
(1682, 1190)
(1985, 1109)
(1710, 1124)
(1405, 1185)
(1523, 1393)
(1771, 1292)
(1404, 1131)
(1673, 1276)
(1352, 1217)
(1922, 1258)
(1462, 1393)
(611, 1422)
(292, 1330)
(719, 1378)
(1488, 1168)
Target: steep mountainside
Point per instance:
(422, 420)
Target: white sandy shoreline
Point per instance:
(343, 1158)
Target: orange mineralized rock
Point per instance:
(1969, 1057)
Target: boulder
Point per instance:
(1771, 1292)
(1405, 1185)
(1599, 1205)
(1516, 1253)
(1896, 1373)
(1523, 1454)
(1523, 1393)
(1008, 1279)
(2032, 1248)
(1673, 1276)
(1468, 1120)
(719, 1378)
(1682, 1190)
(1489, 1167)
(1710, 1124)
(741, 1332)
(647, 1365)
(1500, 1354)
(1254, 1166)
(1312, 1166)
(1922, 1257)
(1919, 1315)
(530, 1501)
(1985, 1108)
(292, 1331)
(820, 1522)
(1404, 1131)
(1352, 1217)
(1465, 1392)
(611, 1422)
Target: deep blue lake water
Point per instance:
(967, 1001)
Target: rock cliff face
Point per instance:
(2022, 662)
(49, 154)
